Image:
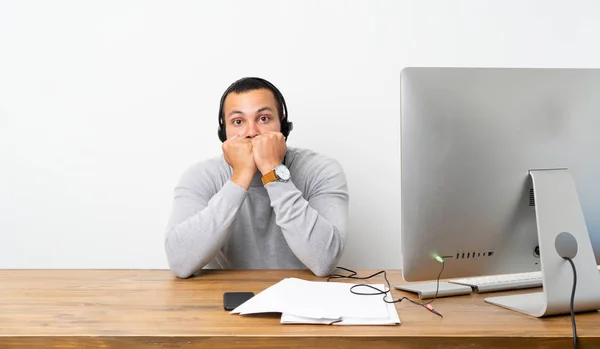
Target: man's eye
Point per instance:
(237, 122)
(264, 118)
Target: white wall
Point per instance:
(104, 103)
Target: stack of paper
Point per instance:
(317, 302)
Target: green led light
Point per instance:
(439, 259)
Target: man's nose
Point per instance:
(252, 130)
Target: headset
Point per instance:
(286, 125)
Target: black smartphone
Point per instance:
(232, 300)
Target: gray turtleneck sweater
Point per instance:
(216, 223)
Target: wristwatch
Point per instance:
(279, 173)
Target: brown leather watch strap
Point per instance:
(269, 177)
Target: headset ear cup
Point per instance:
(221, 133)
(286, 127)
(221, 130)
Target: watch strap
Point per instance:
(269, 177)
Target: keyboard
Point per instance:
(504, 282)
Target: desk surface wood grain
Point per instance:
(152, 308)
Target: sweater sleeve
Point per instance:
(314, 227)
(198, 224)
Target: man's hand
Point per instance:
(268, 149)
(238, 154)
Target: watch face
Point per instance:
(282, 172)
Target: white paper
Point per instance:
(320, 302)
(391, 319)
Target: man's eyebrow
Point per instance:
(233, 112)
(264, 109)
(236, 112)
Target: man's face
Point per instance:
(250, 114)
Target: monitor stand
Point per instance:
(561, 232)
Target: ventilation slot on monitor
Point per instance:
(473, 254)
(531, 198)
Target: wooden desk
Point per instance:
(153, 309)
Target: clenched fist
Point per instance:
(238, 153)
(268, 149)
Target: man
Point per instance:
(260, 204)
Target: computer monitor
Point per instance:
(496, 163)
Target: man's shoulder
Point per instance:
(214, 168)
(311, 161)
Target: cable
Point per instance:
(573, 302)
(426, 305)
